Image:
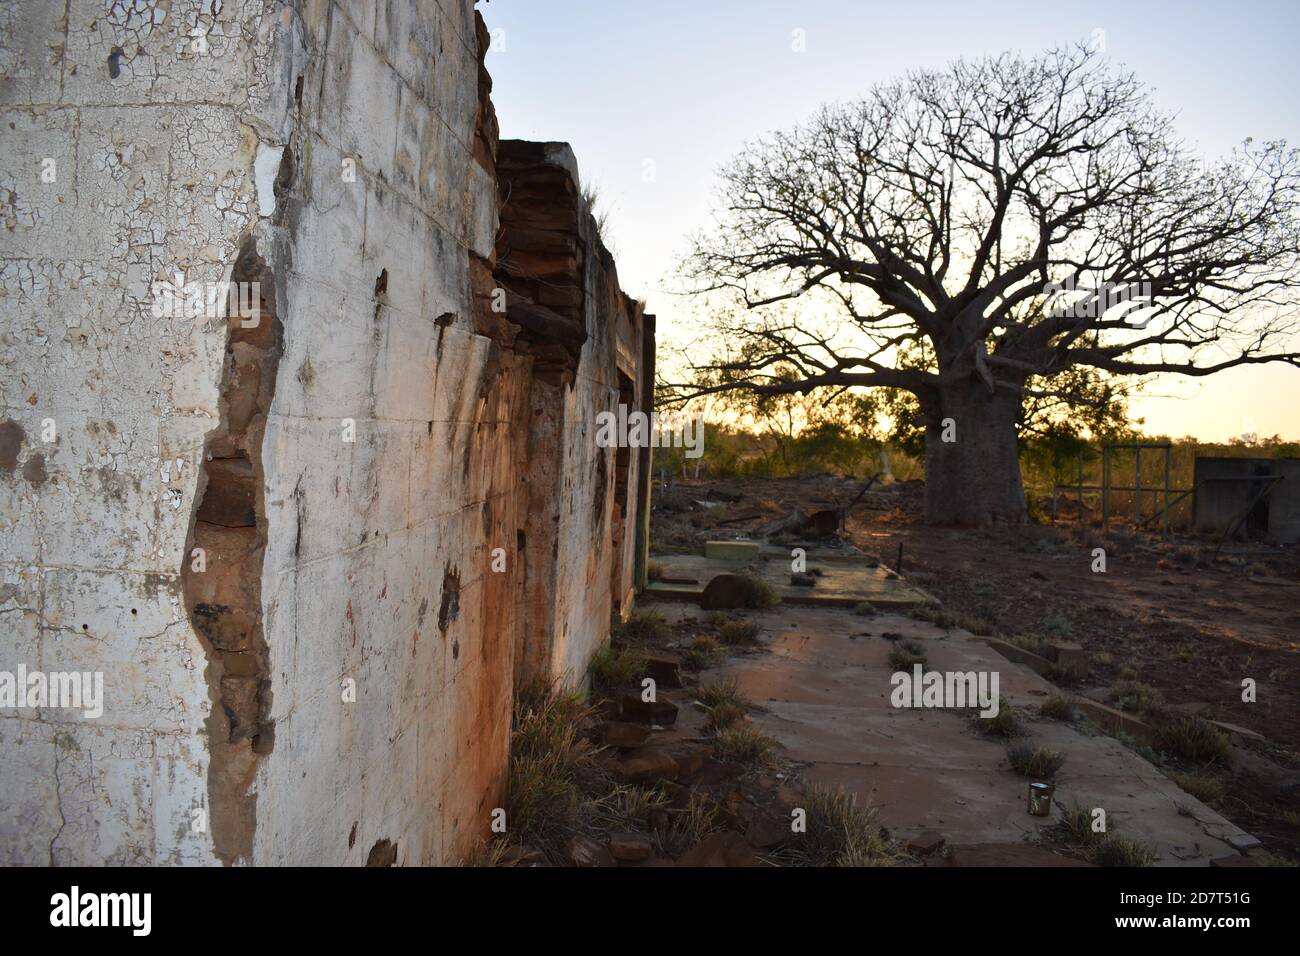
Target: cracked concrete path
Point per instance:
(823, 692)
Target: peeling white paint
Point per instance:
(265, 168)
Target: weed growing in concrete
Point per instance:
(741, 631)
(725, 691)
(759, 594)
(864, 609)
(1076, 826)
(905, 655)
(703, 653)
(1005, 725)
(1102, 849)
(1035, 763)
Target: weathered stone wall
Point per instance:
(327, 679)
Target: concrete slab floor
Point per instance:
(844, 580)
(823, 691)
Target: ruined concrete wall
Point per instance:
(338, 141)
(584, 333)
(299, 548)
(128, 158)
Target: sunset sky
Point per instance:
(654, 96)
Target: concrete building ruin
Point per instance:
(313, 554)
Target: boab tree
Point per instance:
(1001, 230)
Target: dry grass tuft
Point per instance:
(1035, 763)
(1206, 789)
(1057, 707)
(1194, 740)
(745, 744)
(614, 668)
(1135, 697)
(905, 655)
(703, 653)
(840, 833)
(548, 751)
(737, 632)
(644, 625)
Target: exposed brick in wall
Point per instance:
(334, 686)
(584, 335)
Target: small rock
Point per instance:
(665, 671)
(822, 524)
(679, 797)
(632, 847)
(925, 842)
(521, 856)
(584, 851)
(722, 848)
(659, 711)
(616, 733)
(727, 591)
(647, 766)
(691, 762)
(764, 833)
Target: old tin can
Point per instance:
(1040, 799)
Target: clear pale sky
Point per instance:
(654, 95)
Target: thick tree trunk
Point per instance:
(973, 477)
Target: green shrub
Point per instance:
(642, 626)
(614, 668)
